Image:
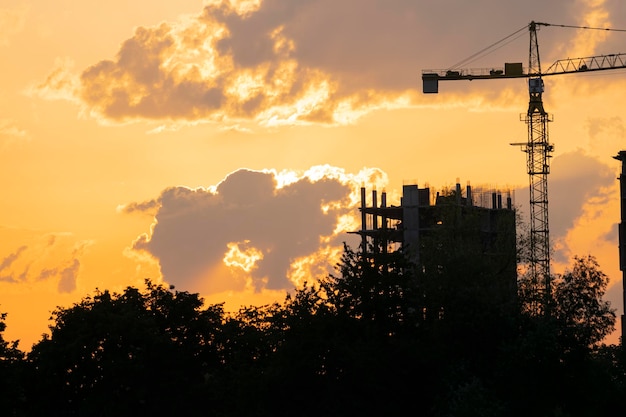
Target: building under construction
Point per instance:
(451, 227)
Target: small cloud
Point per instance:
(60, 84)
(148, 207)
(11, 133)
(10, 259)
(8, 128)
(68, 276)
(46, 258)
(8, 278)
(236, 127)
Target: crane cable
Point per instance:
(583, 27)
(475, 56)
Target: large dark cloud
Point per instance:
(383, 44)
(262, 65)
(575, 179)
(193, 227)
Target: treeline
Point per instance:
(377, 339)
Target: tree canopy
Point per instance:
(379, 337)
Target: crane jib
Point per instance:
(431, 78)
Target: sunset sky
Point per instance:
(219, 145)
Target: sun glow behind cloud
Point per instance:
(242, 255)
(310, 269)
(241, 7)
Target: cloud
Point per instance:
(60, 84)
(606, 134)
(10, 132)
(313, 61)
(613, 126)
(579, 187)
(150, 207)
(68, 276)
(8, 261)
(49, 258)
(255, 230)
(575, 180)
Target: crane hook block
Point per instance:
(430, 83)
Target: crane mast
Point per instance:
(538, 150)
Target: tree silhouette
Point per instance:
(379, 289)
(11, 367)
(555, 361)
(359, 342)
(583, 317)
(115, 354)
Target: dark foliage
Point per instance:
(11, 363)
(134, 352)
(382, 337)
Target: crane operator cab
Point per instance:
(535, 85)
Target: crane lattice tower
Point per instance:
(538, 150)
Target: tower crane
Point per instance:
(538, 148)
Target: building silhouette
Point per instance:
(440, 231)
(621, 156)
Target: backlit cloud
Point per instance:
(255, 230)
(279, 62)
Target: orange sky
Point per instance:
(244, 128)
